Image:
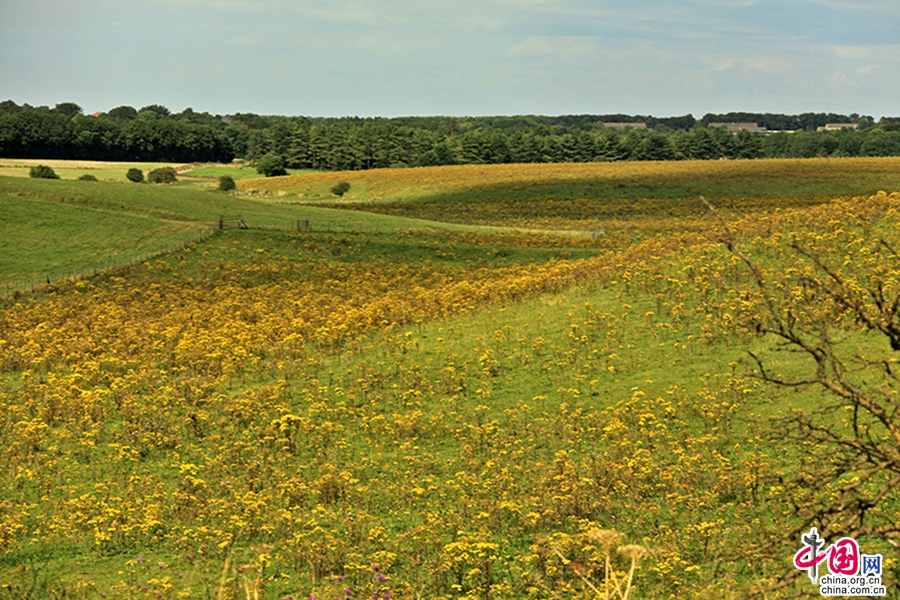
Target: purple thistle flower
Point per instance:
(382, 578)
(376, 568)
(348, 591)
(340, 577)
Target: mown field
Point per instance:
(388, 406)
(201, 173)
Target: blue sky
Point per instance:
(444, 57)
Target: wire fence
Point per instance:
(39, 281)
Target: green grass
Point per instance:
(632, 180)
(187, 203)
(514, 423)
(60, 227)
(203, 173)
(590, 203)
(236, 172)
(544, 393)
(48, 240)
(72, 169)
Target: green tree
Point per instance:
(725, 140)
(162, 175)
(42, 172)
(70, 109)
(749, 145)
(777, 145)
(87, 177)
(123, 113)
(610, 147)
(8, 106)
(271, 165)
(135, 175)
(297, 153)
(702, 145)
(655, 146)
(340, 189)
(153, 112)
(226, 183)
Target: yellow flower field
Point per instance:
(271, 414)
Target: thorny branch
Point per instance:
(866, 453)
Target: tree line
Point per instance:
(153, 133)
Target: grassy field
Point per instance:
(632, 200)
(205, 174)
(48, 239)
(73, 169)
(402, 408)
(812, 179)
(236, 171)
(57, 228)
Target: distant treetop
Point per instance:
(276, 144)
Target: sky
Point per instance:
(456, 58)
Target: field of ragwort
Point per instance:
(536, 381)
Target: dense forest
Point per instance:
(153, 133)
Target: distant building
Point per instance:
(837, 126)
(734, 128)
(96, 114)
(625, 125)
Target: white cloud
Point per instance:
(841, 81)
(888, 6)
(411, 44)
(765, 64)
(694, 35)
(243, 40)
(567, 47)
(853, 52)
(428, 14)
(725, 3)
(219, 5)
(884, 53)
